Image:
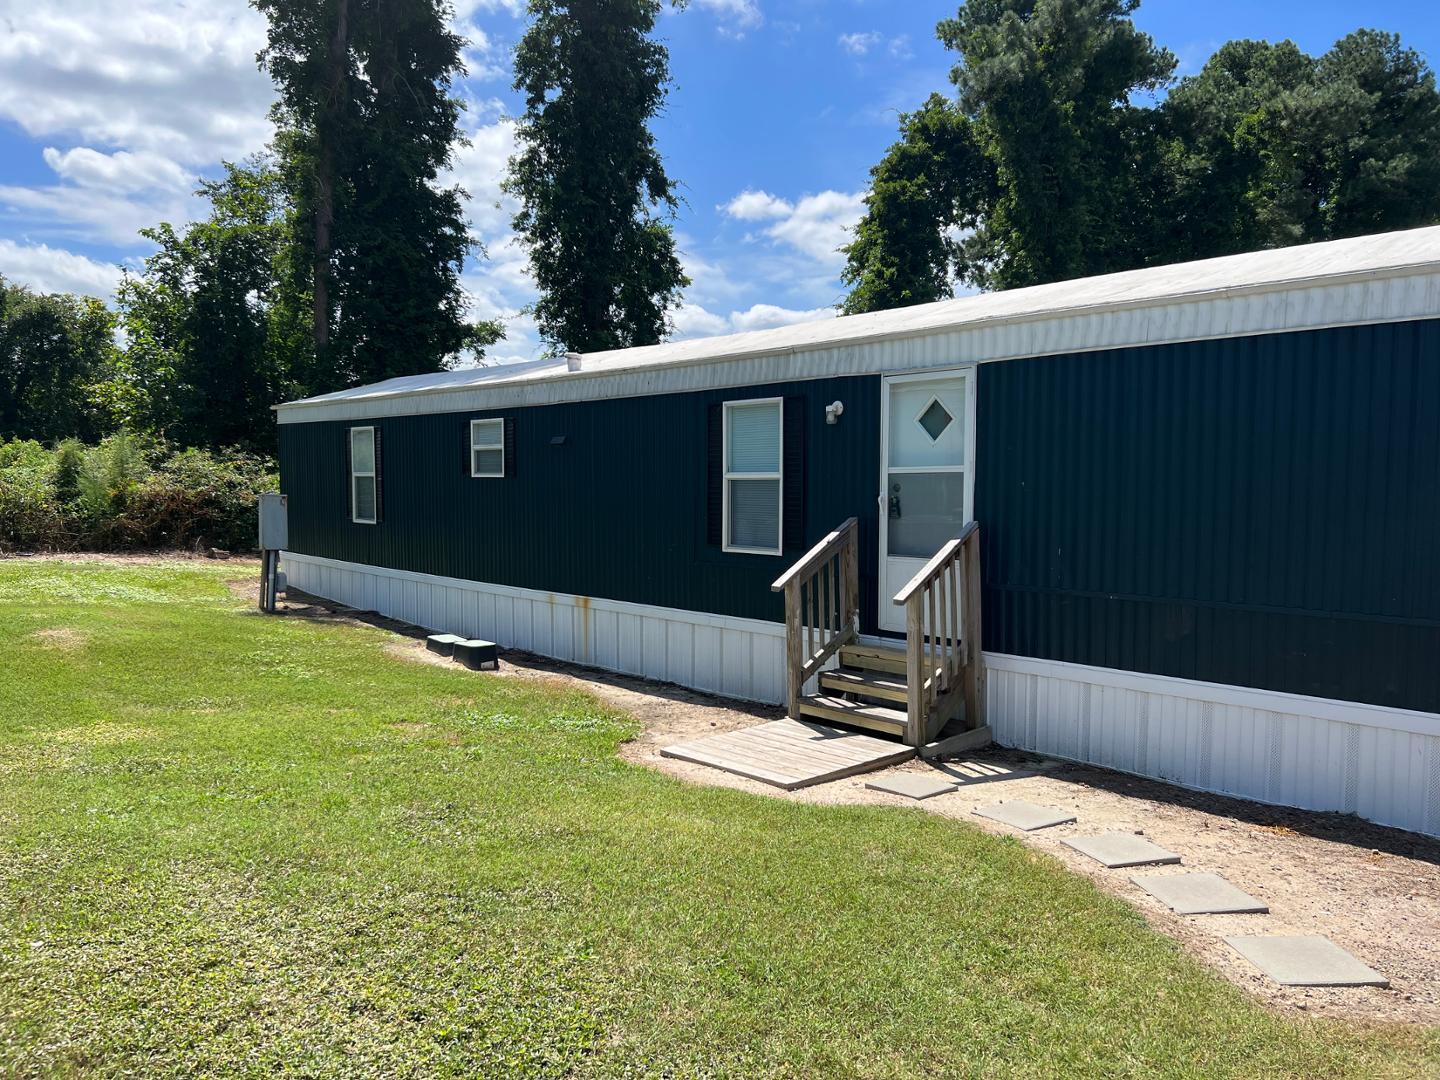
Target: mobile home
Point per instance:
(1182, 521)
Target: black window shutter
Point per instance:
(509, 447)
(349, 470)
(715, 475)
(379, 476)
(467, 454)
(793, 469)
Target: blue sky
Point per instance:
(110, 110)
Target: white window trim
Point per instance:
(779, 475)
(498, 422)
(356, 474)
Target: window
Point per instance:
(752, 476)
(363, 498)
(487, 447)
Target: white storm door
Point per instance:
(927, 465)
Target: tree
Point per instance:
(1223, 128)
(594, 193)
(1054, 173)
(1049, 83)
(54, 349)
(1367, 129)
(217, 330)
(1265, 146)
(367, 123)
(1274, 147)
(308, 55)
(925, 195)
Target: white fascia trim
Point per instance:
(623, 607)
(1405, 294)
(1344, 712)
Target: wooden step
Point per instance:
(882, 685)
(874, 658)
(854, 713)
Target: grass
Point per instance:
(232, 844)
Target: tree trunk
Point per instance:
(337, 63)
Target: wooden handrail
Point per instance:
(815, 554)
(943, 665)
(822, 607)
(931, 569)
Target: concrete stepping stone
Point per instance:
(912, 785)
(1026, 816)
(1199, 894)
(1114, 850)
(1307, 960)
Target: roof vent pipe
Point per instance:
(572, 361)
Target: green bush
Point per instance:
(30, 515)
(127, 494)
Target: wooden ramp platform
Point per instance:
(792, 753)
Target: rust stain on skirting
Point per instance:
(583, 603)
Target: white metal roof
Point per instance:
(1386, 277)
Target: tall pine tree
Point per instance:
(368, 123)
(594, 193)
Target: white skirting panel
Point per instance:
(742, 658)
(1381, 764)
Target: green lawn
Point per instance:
(232, 844)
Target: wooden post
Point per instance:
(974, 657)
(821, 600)
(829, 599)
(914, 653)
(793, 662)
(956, 579)
(852, 583)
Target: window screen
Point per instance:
(363, 498)
(487, 447)
(752, 476)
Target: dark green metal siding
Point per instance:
(1260, 511)
(617, 511)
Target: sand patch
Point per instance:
(416, 653)
(415, 729)
(102, 734)
(61, 637)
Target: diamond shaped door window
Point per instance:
(935, 419)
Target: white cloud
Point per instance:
(500, 286)
(484, 59)
(104, 197)
(120, 171)
(48, 269)
(138, 74)
(692, 320)
(765, 316)
(862, 43)
(757, 206)
(468, 8)
(816, 225)
(736, 16)
(858, 44)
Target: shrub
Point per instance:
(30, 516)
(128, 493)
